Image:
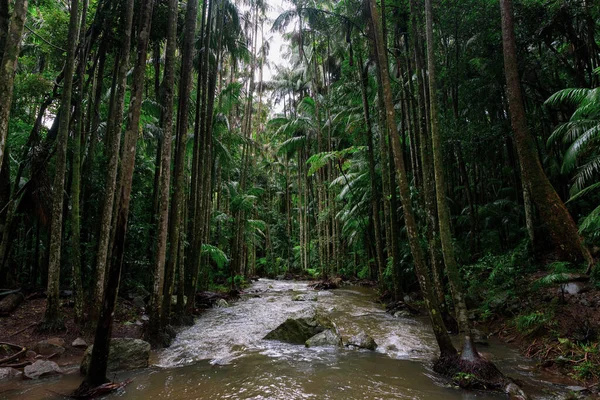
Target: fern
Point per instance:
(216, 254)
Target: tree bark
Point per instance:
(558, 222)
(11, 44)
(113, 137)
(166, 96)
(98, 364)
(76, 176)
(447, 349)
(52, 319)
(440, 186)
(175, 219)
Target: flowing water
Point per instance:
(223, 355)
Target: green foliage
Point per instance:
(216, 254)
(534, 322)
(494, 280)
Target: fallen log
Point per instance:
(10, 303)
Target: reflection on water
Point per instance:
(223, 355)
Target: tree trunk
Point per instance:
(175, 219)
(443, 211)
(76, 176)
(166, 99)
(99, 361)
(558, 222)
(113, 137)
(52, 318)
(445, 344)
(11, 44)
(375, 196)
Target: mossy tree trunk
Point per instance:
(166, 91)
(558, 222)
(52, 318)
(447, 349)
(99, 361)
(113, 146)
(10, 42)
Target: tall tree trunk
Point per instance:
(558, 222)
(76, 175)
(52, 318)
(443, 211)
(99, 361)
(375, 195)
(447, 349)
(166, 99)
(175, 219)
(113, 136)
(11, 44)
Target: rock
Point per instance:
(571, 288)
(298, 331)
(222, 303)
(79, 343)
(30, 354)
(324, 339)
(9, 373)
(124, 354)
(42, 368)
(584, 302)
(49, 347)
(402, 314)
(305, 297)
(145, 318)
(10, 303)
(362, 341)
(139, 302)
(479, 337)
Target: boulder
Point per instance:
(10, 303)
(79, 343)
(362, 341)
(326, 338)
(298, 331)
(124, 354)
(42, 368)
(9, 373)
(50, 346)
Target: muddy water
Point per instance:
(223, 356)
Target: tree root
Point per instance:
(471, 371)
(84, 391)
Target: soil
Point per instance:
(566, 344)
(21, 327)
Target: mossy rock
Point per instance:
(296, 331)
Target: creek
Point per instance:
(223, 355)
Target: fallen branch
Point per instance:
(24, 329)
(14, 356)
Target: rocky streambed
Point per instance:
(283, 340)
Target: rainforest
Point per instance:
(329, 199)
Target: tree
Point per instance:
(557, 220)
(98, 363)
(52, 319)
(10, 44)
(166, 94)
